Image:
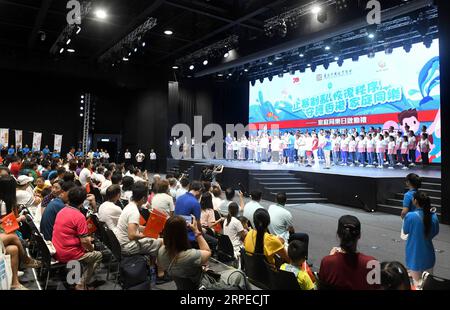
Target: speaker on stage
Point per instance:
(363, 204)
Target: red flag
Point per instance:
(9, 223)
(155, 224)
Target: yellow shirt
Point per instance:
(271, 245)
(302, 277)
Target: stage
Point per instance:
(358, 187)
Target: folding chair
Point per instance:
(433, 283)
(282, 280)
(225, 250)
(256, 270)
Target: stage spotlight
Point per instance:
(175, 67)
(340, 62)
(168, 32)
(301, 55)
(261, 80)
(82, 96)
(220, 75)
(101, 14)
(81, 115)
(302, 69)
(292, 71)
(389, 50)
(78, 30)
(336, 58)
(81, 108)
(270, 78)
(135, 49)
(371, 35)
(326, 65)
(371, 54)
(280, 75)
(205, 62)
(313, 67)
(270, 63)
(327, 47)
(245, 70)
(226, 55)
(125, 59)
(355, 58)
(82, 101)
(71, 50)
(68, 41)
(61, 50)
(308, 65)
(316, 9)
(253, 82)
(230, 74)
(191, 67)
(143, 44)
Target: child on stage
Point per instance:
(361, 148)
(380, 148)
(412, 148)
(251, 148)
(236, 146)
(315, 149)
(391, 152)
(336, 148)
(301, 149)
(370, 144)
(424, 147)
(276, 149)
(344, 149)
(352, 150)
(243, 146)
(404, 150)
(398, 147)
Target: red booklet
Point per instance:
(155, 224)
(9, 223)
(91, 226)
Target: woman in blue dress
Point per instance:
(421, 225)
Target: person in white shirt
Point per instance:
(162, 201)
(107, 183)
(127, 157)
(233, 228)
(264, 143)
(128, 231)
(85, 174)
(140, 157)
(109, 212)
(216, 200)
(106, 156)
(153, 161)
(252, 206)
(173, 186)
(183, 189)
(127, 185)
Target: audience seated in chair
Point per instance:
(71, 238)
(109, 212)
(297, 252)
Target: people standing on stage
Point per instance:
(327, 149)
(321, 137)
(398, 148)
(344, 149)
(380, 149)
(361, 148)
(315, 149)
(301, 149)
(242, 148)
(251, 148)
(153, 161)
(140, 157)
(275, 148)
(308, 149)
(352, 150)
(336, 146)
(370, 144)
(228, 147)
(236, 146)
(424, 147)
(291, 147)
(127, 157)
(258, 150)
(391, 152)
(421, 226)
(404, 151)
(264, 142)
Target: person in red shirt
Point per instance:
(71, 238)
(345, 268)
(15, 166)
(315, 149)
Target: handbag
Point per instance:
(228, 280)
(5, 269)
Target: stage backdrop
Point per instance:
(376, 91)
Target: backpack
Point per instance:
(226, 280)
(134, 271)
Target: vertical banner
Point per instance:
(37, 137)
(58, 143)
(4, 136)
(19, 136)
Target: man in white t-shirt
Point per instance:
(153, 162)
(128, 231)
(183, 189)
(140, 157)
(85, 174)
(127, 157)
(109, 212)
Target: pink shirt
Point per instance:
(370, 146)
(380, 146)
(404, 149)
(70, 225)
(352, 146)
(391, 148)
(344, 145)
(336, 145)
(361, 146)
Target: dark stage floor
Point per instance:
(430, 172)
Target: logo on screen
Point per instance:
(296, 80)
(382, 65)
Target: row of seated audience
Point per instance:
(60, 204)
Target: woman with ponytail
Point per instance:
(421, 225)
(345, 268)
(233, 228)
(259, 241)
(413, 183)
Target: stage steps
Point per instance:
(432, 187)
(297, 191)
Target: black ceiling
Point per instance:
(196, 24)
